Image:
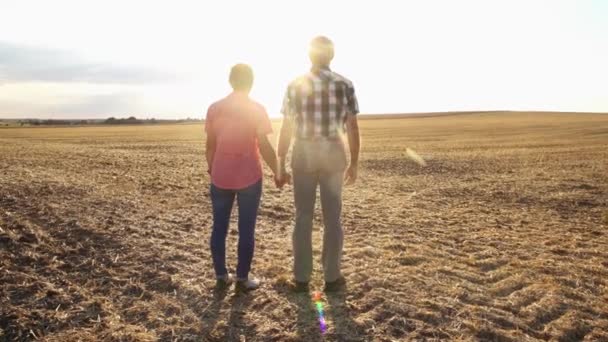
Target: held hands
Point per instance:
(282, 178)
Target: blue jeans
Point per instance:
(248, 200)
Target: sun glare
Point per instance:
(408, 57)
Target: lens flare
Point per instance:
(316, 296)
(415, 157)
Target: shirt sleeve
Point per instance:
(287, 107)
(352, 105)
(264, 126)
(209, 120)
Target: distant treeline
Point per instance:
(128, 121)
(109, 121)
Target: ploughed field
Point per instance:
(502, 236)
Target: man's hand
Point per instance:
(350, 176)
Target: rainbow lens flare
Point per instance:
(319, 304)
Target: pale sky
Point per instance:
(167, 59)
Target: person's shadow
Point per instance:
(307, 323)
(338, 317)
(338, 314)
(237, 327)
(208, 313)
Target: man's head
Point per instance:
(321, 51)
(241, 77)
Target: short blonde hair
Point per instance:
(321, 50)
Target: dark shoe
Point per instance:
(299, 286)
(335, 286)
(224, 282)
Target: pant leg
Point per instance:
(249, 201)
(333, 236)
(305, 192)
(222, 201)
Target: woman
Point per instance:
(237, 133)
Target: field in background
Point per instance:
(502, 236)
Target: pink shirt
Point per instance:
(236, 121)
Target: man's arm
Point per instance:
(354, 144)
(210, 151)
(285, 136)
(268, 154)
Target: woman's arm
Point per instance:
(210, 151)
(285, 136)
(268, 154)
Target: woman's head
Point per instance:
(241, 77)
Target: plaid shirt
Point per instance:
(319, 102)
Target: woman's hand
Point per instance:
(282, 178)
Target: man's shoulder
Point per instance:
(336, 77)
(300, 80)
(304, 80)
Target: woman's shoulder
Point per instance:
(214, 107)
(260, 108)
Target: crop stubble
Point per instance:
(503, 235)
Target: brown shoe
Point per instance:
(299, 286)
(336, 285)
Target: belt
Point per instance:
(319, 139)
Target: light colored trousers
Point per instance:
(318, 163)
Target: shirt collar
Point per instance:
(318, 69)
(238, 94)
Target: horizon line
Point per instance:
(360, 114)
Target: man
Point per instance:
(320, 105)
(237, 133)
